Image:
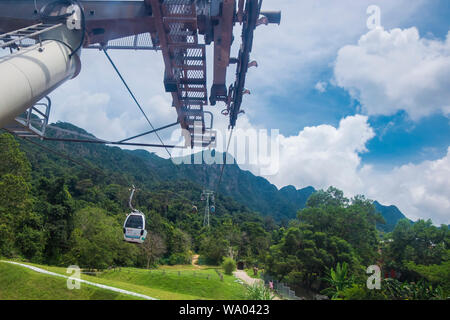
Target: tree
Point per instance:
(153, 247)
(437, 274)
(179, 241)
(213, 249)
(331, 230)
(96, 241)
(304, 256)
(20, 227)
(56, 206)
(12, 160)
(339, 280)
(351, 220)
(229, 265)
(421, 243)
(332, 197)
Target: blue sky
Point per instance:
(364, 110)
(409, 142)
(398, 140)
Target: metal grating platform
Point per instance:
(142, 41)
(185, 62)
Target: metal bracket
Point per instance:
(33, 122)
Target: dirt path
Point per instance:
(81, 280)
(195, 260)
(241, 274)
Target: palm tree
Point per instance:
(339, 280)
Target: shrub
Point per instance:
(179, 258)
(360, 292)
(339, 280)
(259, 292)
(229, 265)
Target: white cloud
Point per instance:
(309, 36)
(98, 102)
(322, 156)
(321, 86)
(293, 56)
(91, 111)
(388, 71)
(419, 190)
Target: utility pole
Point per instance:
(206, 196)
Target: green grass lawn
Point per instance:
(168, 282)
(19, 283)
(202, 283)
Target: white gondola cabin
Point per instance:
(134, 227)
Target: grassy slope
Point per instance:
(19, 283)
(168, 285)
(189, 281)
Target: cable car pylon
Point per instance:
(208, 196)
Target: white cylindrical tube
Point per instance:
(32, 73)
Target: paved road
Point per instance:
(82, 281)
(241, 274)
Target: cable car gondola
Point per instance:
(134, 225)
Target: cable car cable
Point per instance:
(113, 143)
(224, 163)
(140, 108)
(75, 133)
(94, 170)
(134, 98)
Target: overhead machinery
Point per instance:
(45, 39)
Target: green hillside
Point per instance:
(391, 215)
(147, 169)
(167, 283)
(58, 212)
(19, 283)
(198, 283)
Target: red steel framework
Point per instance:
(184, 59)
(174, 27)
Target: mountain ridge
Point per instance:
(255, 192)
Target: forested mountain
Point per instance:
(253, 192)
(391, 215)
(148, 170)
(56, 211)
(63, 212)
